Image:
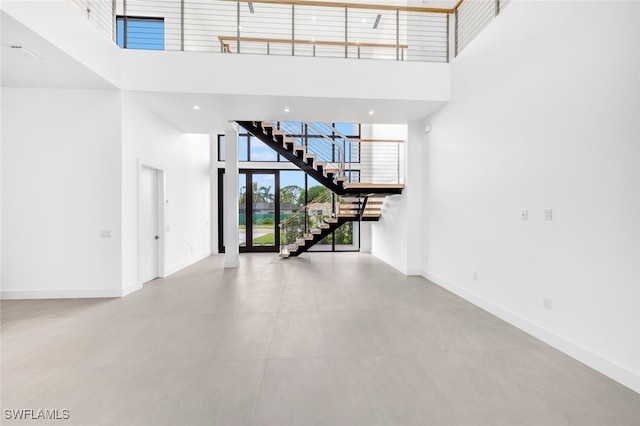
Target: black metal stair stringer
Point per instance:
(321, 236)
(268, 138)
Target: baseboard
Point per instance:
(173, 269)
(60, 294)
(130, 289)
(608, 368)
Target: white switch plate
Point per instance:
(548, 214)
(105, 234)
(546, 303)
(524, 215)
(475, 276)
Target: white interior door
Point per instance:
(148, 225)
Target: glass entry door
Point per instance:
(258, 209)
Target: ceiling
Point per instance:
(56, 69)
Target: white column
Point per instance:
(213, 198)
(413, 191)
(231, 241)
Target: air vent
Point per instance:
(24, 51)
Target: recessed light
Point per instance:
(364, 21)
(371, 112)
(287, 110)
(196, 107)
(313, 18)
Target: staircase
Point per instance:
(325, 161)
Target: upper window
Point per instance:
(140, 33)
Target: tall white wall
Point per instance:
(60, 191)
(544, 115)
(397, 237)
(149, 140)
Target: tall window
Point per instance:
(140, 33)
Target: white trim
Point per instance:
(173, 269)
(161, 206)
(130, 289)
(61, 294)
(607, 367)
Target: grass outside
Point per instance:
(265, 240)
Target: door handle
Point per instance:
(157, 238)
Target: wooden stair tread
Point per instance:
(342, 178)
(266, 124)
(367, 185)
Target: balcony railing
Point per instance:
(302, 27)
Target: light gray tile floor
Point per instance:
(325, 339)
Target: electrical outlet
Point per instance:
(546, 303)
(548, 214)
(105, 234)
(475, 276)
(524, 215)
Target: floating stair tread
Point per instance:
(278, 132)
(266, 124)
(347, 215)
(334, 171)
(284, 254)
(324, 226)
(366, 185)
(332, 220)
(308, 237)
(342, 178)
(299, 148)
(292, 247)
(321, 163)
(316, 231)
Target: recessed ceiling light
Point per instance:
(371, 112)
(196, 107)
(313, 18)
(287, 110)
(364, 21)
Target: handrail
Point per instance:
(352, 5)
(309, 42)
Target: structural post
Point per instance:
(182, 25)
(231, 241)
(213, 191)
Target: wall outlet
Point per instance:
(546, 303)
(524, 215)
(475, 276)
(548, 214)
(105, 234)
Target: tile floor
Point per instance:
(324, 339)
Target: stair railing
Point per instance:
(307, 220)
(380, 159)
(337, 152)
(323, 146)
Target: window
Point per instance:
(140, 33)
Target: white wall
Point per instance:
(544, 114)
(149, 140)
(397, 237)
(60, 190)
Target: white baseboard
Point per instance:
(60, 294)
(130, 289)
(173, 269)
(616, 372)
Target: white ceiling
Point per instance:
(56, 69)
